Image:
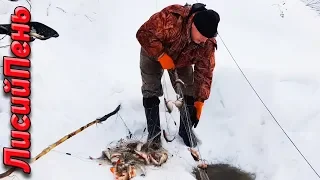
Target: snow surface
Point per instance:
(94, 65)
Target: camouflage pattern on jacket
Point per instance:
(169, 31)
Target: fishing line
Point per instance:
(130, 133)
(3, 37)
(84, 159)
(274, 118)
(5, 46)
(185, 115)
(166, 95)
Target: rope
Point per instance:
(269, 109)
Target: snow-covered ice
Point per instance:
(94, 65)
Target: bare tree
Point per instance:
(313, 4)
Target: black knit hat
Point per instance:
(207, 22)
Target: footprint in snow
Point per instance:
(117, 90)
(4, 8)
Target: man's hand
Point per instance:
(195, 117)
(166, 61)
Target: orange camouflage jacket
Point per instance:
(169, 31)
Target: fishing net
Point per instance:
(129, 157)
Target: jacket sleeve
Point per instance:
(203, 73)
(153, 34)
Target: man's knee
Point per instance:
(150, 102)
(150, 90)
(151, 74)
(186, 75)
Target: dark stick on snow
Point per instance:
(61, 140)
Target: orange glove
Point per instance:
(198, 105)
(166, 61)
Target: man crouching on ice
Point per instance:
(176, 38)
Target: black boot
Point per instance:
(184, 130)
(151, 106)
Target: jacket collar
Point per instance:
(188, 28)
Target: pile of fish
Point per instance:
(129, 158)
